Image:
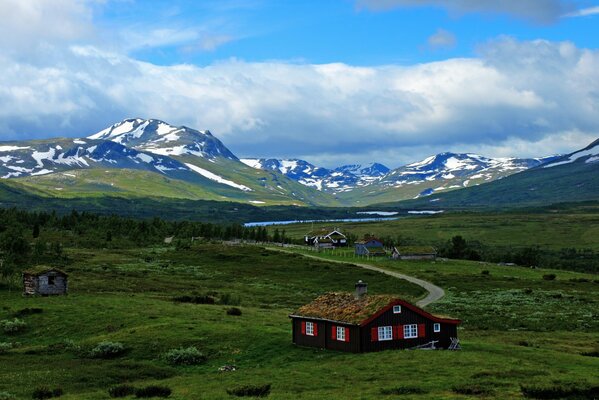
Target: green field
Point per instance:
(547, 229)
(518, 328)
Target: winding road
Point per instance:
(434, 292)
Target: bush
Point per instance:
(229, 300)
(403, 390)
(549, 277)
(42, 393)
(250, 391)
(7, 396)
(580, 391)
(121, 391)
(194, 299)
(233, 311)
(5, 347)
(594, 353)
(57, 392)
(107, 350)
(15, 326)
(188, 356)
(28, 311)
(485, 272)
(471, 390)
(153, 391)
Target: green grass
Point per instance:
(509, 336)
(552, 230)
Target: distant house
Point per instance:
(414, 253)
(325, 238)
(44, 281)
(369, 246)
(358, 322)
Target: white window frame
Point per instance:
(385, 333)
(410, 331)
(436, 327)
(396, 309)
(310, 328)
(341, 333)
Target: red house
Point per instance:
(360, 322)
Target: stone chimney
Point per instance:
(361, 289)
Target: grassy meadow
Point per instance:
(518, 328)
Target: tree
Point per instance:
(36, 230)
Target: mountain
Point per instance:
(340, 179)
(439, 173)
(570, 178)
(137, 157)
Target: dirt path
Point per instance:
(434, 291)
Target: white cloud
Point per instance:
(527, 97)
(584, 12)
(543, 11)
(441, 39)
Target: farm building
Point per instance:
(325, 238)
(369, 246)
(414, 253)
(44, 281)
(361, 323)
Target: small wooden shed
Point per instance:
(45, 281)
(362, 323)
(414, 253)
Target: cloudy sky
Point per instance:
(332, 82)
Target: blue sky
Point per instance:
(330, 81)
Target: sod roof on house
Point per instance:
(344, 307)
(406, 250)
(42, 269)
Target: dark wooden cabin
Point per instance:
(369, 246)
(44, 281)
(361, 323)
(414, 253)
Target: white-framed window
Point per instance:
(436, 327)
(310, 328)
(410, 331)
(341, 333)
(396, 309)
(385, 333)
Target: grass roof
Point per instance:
(344, 307)
(416, 250)
(42, 269)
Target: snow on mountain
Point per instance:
(340, 179)
(589, 154)
(158, 137)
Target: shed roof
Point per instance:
(368, 239)
(416, 250)
(344, 307)
(323, 232)
(42, 269)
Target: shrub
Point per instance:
(57, 392)
(549, 277)
(28, 311)
(581, 391)
(228, 299)
(485, 272)
(471, 390)
(7, 396)
(5, 347)
(403, 390)
(185, 356)
(250, 391)
(594, 353)
(194, 299)
(233, 311)
(121, 391)
(42, 393)
(107, 350)
(15, 326)
(153, 391)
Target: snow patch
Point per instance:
(217, 178)
(13, 148)
(257, 202)
(41, 172)
(252, 162)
